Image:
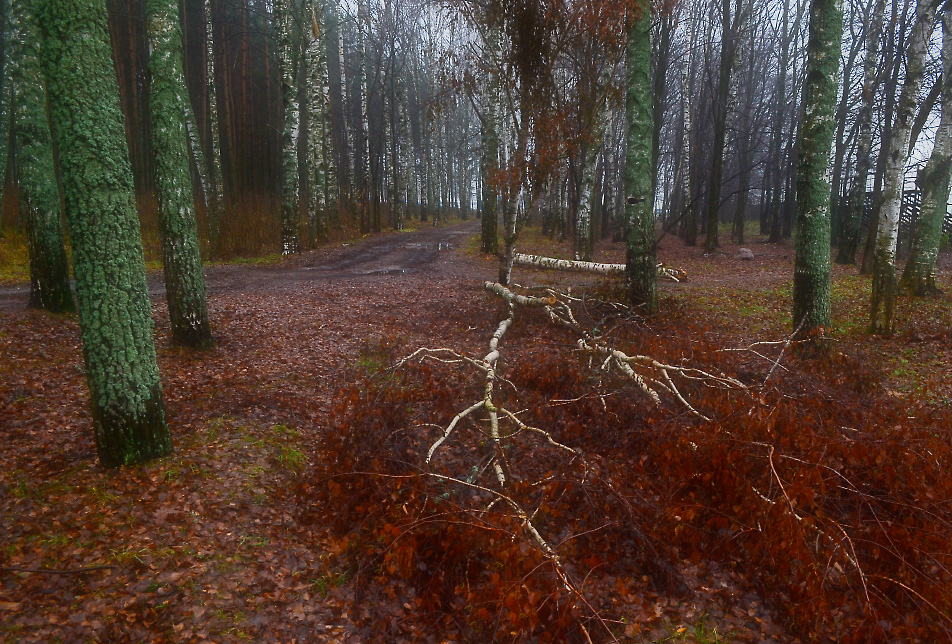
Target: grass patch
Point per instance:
(14, 258)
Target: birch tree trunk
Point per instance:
(286, 19)
(588, 158)
(114, 311)
(639, 211)
(919, 276)
(489, 160)
(885, 288)
(181, 256)
(892, 63)
(317, 108)
(811, 279)
(362, 157)
(36, 174)
(856, 201)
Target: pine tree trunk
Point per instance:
(885, 287)
(640, 236)
(182, 262)
(114, 311)
(36, 174)
(919, 276)
(811, 278)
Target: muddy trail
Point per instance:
(382, 255)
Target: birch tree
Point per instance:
(181, 257)
(36, 175)
(114, 311)
(489, 159)
(811, 279)
(919, 275)
(855, 202)
(287, 15)
(885, 287)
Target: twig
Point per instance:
(48, 571)
(784, 348)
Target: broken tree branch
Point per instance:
(554, 263)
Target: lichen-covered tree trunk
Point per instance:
(181, 256)
(885, 287)
(36, 175)
(811, 277)
(114, 311)
(639, 215)
(919, 276)
(856, 200)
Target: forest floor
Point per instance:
(209, 543)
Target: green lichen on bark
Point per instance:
(114, 311)
(181, 257)
(36, 174)
(811, 280)
(641, 267)
(919, 275)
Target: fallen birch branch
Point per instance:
(653, 376)
(554, 263)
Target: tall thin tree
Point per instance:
(885, 287)
(181, 256)
(36, 175)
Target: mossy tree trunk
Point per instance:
(885, 287)
(641, 268)
(36, 174)
(181, 256)
(918, 278)
(114, 312)
(811, 279)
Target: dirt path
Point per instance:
(387, 254)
